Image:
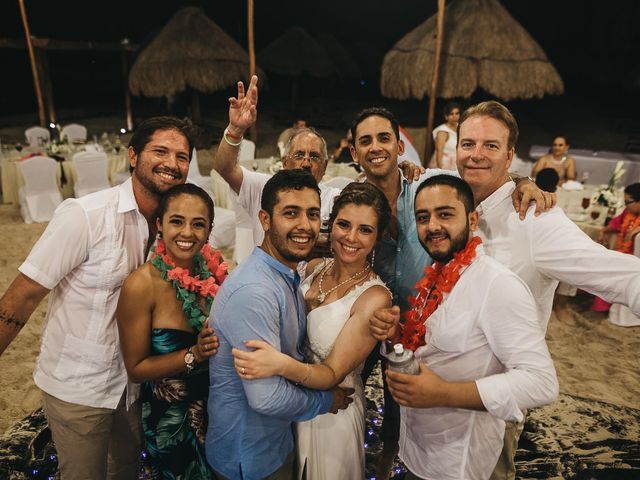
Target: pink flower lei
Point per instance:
(209, 273)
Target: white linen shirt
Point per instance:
(550, 248)
(87, 250)
(250, 195)
(475, 335)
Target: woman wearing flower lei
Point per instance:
(162, 319)
(626, 226)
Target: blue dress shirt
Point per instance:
(250, 421)
(400, 262)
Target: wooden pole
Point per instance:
(252, 56)
(34, 67)
(125, 86)
(434, 82)
(43, 64)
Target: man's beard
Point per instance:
(458, 243)
(280, 245)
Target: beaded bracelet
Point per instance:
(227, 136)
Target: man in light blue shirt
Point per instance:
(250, 435)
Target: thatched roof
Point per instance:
(190, 51)
(294, 53)
(342, 59)
(483, 47)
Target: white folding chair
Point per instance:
(338, 182)
(40, 195)
(37, 136)
(224, 228)
(74, 132)
(247, 150)
(194, 176)
(619, 314)
(91, 173)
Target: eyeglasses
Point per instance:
(629, 202)
(313, 156)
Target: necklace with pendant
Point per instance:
(320, 298)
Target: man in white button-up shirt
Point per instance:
(485, 359)
(89, 247)
(541, 250)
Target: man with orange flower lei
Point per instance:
(483, 360)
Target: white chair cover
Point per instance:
(619, 314)
(338, 182)
(74, 132)
(194, 176)
(40, 195)
(244, 232)
(120, 177)
(91, 173)
(247, 150)
(224, 229)
(37, 136)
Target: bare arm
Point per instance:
(16, 306)
(441, 139)
(352, 346)
(134, 315)
(571, 173)
(242, 115)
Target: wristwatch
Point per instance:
(190, 360)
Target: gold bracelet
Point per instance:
(229, 142)
(306, 377)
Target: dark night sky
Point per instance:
(595, 45)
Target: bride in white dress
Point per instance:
(341, 295)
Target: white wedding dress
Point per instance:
(332, 446)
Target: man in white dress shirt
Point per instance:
(485, 359)
(88, 249)
(542, 250)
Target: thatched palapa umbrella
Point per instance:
(191, 51)
(294, 54)
(483, 46)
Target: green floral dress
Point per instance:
(174, 415)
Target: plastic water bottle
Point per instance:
(403, 361)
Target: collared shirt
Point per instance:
(87, 250)
(475, 335)
(550, 248)
(250, 195)
(401, 261)
(250, 421)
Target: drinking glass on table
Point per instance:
(586, 201)
(594, 215)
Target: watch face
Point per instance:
(189, 358)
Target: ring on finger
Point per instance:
(242, 370)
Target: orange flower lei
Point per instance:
(629, 224)
(210, 272)
(438, 279)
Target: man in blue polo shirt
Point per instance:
(250, 435)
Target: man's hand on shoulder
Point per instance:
(411, 171)
(383, 325)
(526, 192)
(341, 398)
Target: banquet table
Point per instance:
(12, 179)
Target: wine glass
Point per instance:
(586, 201)
(254, 165)
(594, 215)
